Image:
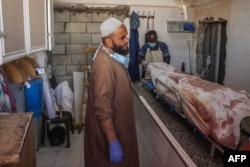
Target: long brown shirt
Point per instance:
(110, 96)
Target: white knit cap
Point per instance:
(109, 26)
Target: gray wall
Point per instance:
(76, 27)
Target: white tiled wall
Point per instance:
(238, 58)
(177, 42)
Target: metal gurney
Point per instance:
(215, 110)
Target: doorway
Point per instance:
(211, 49)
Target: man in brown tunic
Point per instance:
(110, 132)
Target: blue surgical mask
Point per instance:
(121, 59)
(152, 44)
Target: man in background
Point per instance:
(153, 50)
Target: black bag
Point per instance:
(57, 136)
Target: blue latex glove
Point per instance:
(115, 152)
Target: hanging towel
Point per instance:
(134, 21)
(133, 66)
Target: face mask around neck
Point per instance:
(119, 58)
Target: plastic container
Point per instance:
(34, 97)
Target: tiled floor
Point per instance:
(60, 156)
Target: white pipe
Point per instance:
(124, 4)
(209, 3)
(184, 8)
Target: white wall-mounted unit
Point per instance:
(24, 28)
(12, 29)
(37, 21)
(181, 26)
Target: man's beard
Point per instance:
(120, 50)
